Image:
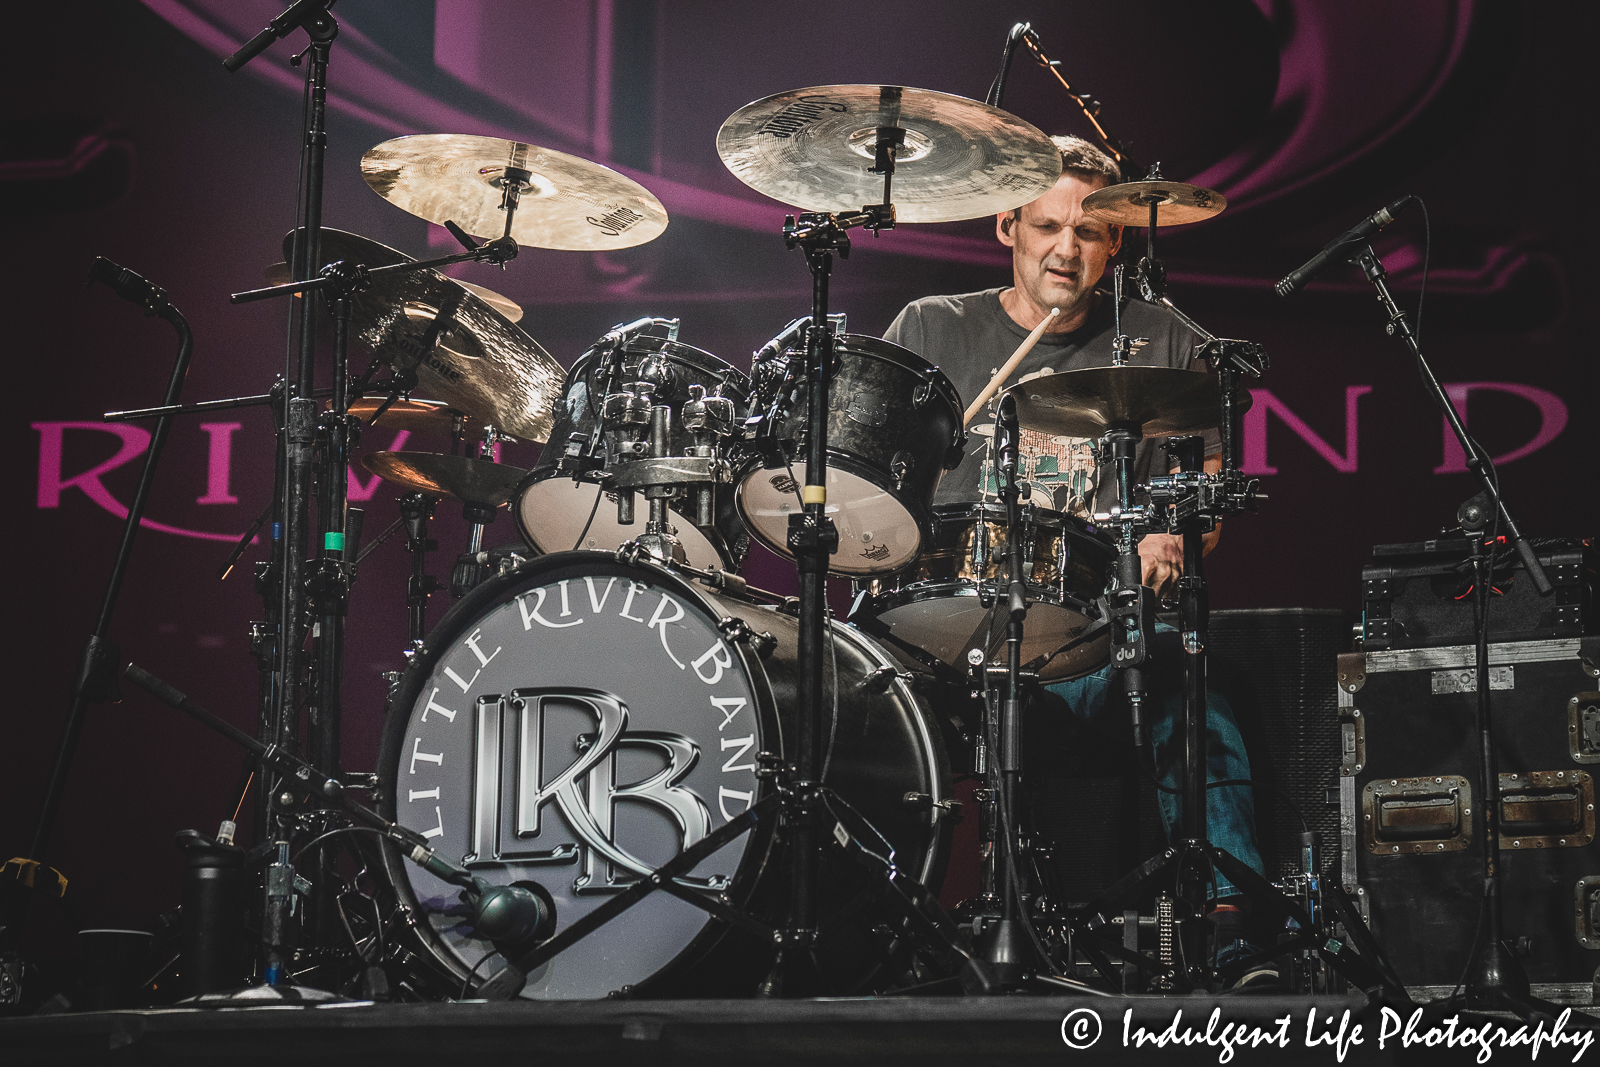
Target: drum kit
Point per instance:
(616, 766)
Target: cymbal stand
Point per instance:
(468, 571)
(812, 539)
(1003, 942)
(415, 511)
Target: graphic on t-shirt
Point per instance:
(1061, 471)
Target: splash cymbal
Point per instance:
(417, 416)
(962, 159)
(471, 481)
(569, 203)
(483, 364)
(1128, 204)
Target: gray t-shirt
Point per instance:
(970, 336)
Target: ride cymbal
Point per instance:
(569, 203)
(471, 481)
(1161, 401)
(483, 364)
(811, 148)
(1128, 204)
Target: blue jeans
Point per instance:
(1097, 702)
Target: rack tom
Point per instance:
(568, 500)
(894, 427)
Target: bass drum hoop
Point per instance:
(458, 621)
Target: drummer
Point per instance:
(1058, 257)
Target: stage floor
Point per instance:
(1011, 1030)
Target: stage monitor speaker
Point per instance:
(1276, 666)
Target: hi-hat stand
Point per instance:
(1190, 503)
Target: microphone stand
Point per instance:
(1024, 32)
(96, 680)
(1496, 980)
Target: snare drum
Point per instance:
(557, 512)
(945, 604)
(894, 427)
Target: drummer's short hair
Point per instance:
(1086, 161)
(1083, 159)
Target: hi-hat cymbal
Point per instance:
(571, 203)
(811, 148)
(417, 416)
(471, 481)
(278, 274)
(484, 365)
(1162, 401)
(1176, 203)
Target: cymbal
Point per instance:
(471, 481)
(811, 148)
(1162, 401)
(572, 203)
(484, 365)
(417, 416)
(278, 274)
(1176, 203)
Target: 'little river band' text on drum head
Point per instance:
(579, 721)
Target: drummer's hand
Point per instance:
(1161, 563)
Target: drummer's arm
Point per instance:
(1161, 555)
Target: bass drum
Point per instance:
(580, 720)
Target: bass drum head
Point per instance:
(879, 531)
(552, 511)
(573, 723)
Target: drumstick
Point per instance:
(1011, 364)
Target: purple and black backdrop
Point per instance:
(124, 137)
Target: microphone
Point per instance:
(1007, 433)
(130, 286)
(790, 335)
(1337, 250)
(786, 337)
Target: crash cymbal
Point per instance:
(1162, 401)
(417, 416)
(811, 148)
(1176, 203)
(571, 203)
(278, 274)
(484, 365)
(471, 481)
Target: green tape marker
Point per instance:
(333, 541)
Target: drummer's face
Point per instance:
(1057, 252)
